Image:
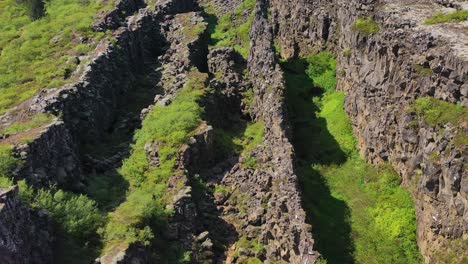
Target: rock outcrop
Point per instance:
(25, 234)
(382, 75)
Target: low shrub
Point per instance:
(366, 26)
(438, 112)
(454, 17)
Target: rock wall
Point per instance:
(382, 74)
(25, 235)
(382, 78)
(285, 231)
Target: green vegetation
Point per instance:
(232, 29)
(252, 246)
(366, 26)
(436, 112)
(7, 161)
(35, 8)
(35, 121)
(455, 252)
(454, 17)
(75, 216)
(359, 212)
(322, 70)
(37, 54)
(170, 126)
(422, 70)
(347, 52)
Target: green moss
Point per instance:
(461, 139)
(436, 112)
(366, 26)
(454, 17)
(36, 121)
(253, 136)
(232, 29)
(252, 245)
(347, 52)
(250, 162)
(248, 97)
(423, 70)
(454, 252)
(221, 189)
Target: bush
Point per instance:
(7, 161)
(454, 17)
(76, 214)
(436, 112)
(366, 26)
(322, 70)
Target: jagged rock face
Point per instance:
(381, 81)
(52, 153)
(285, 231)
(25, 234)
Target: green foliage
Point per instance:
(253, 246)
(107, 190)
(250, 162)
(37, 54)
(454, 17)
(36, 121)
(76, 214)
(436, 112)
(248, 97)
(366, 26)
(454, 252)
(422, 70)
(35, 8)
(7, 161)
(347, 52)
(322, 70)
(252, 137)
(359, 212)
(232, 29)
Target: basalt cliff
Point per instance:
(177, 129)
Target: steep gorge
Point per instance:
(186, 149)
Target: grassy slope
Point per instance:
(359, 212)
(39, 54)
(232, 29)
